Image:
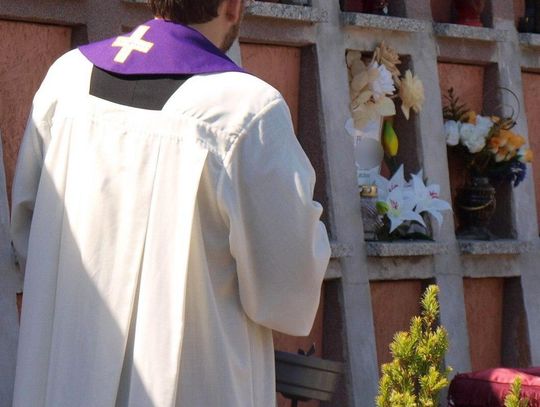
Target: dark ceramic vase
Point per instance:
(475, 206)
(469, 12)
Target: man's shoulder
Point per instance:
(66, 74)
(230, 101)
(240, 87)
(71, 61)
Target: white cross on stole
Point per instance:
(133, 43)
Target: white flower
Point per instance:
(383, 84)
(451, 130)
(385, 186)
(427, 199)
(472, 137)
(484, 124)
(401, 208)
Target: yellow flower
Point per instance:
(505, 154)
(515, 141)
(471, 117)
(494, 144)
(411, 92)
(504, 136)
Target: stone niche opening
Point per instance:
(443, 11)
(392, 313)
(496, 322)
(531, 91)
(477, 86)
(407, 130)
(396, 8)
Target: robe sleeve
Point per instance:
(28, 172)
(280, 246)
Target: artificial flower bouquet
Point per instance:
(403, 206)
(374, 88)
(487, 144)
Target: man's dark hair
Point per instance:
(186, 11)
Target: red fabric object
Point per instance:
(488, 388)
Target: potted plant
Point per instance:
(492, 153)
(416, 374)
(302, 377)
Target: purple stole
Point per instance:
(159, 47)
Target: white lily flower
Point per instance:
(428, 199)
(385, 186)
(401, 209)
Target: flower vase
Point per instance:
(368, 151)
(469, 12)
(475, 206)
(376, 7)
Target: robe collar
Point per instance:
(159, 47)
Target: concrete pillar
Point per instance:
(359, 335)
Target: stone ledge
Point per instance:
(340, 250)
(530, 40)
(487, 247)
(276, 11)
(405, 249)
(469, 33)
(384, 22)
(302, 14)
(333, 271)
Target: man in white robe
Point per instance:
(163, 234)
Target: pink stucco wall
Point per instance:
(391, 312)
(484, 306)
(531, 91)
(26, 52)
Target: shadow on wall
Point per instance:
(9, 286)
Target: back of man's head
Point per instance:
(186, 11)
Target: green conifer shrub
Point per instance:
(416, 375)
(513, 399)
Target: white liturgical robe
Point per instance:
(161, 247)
